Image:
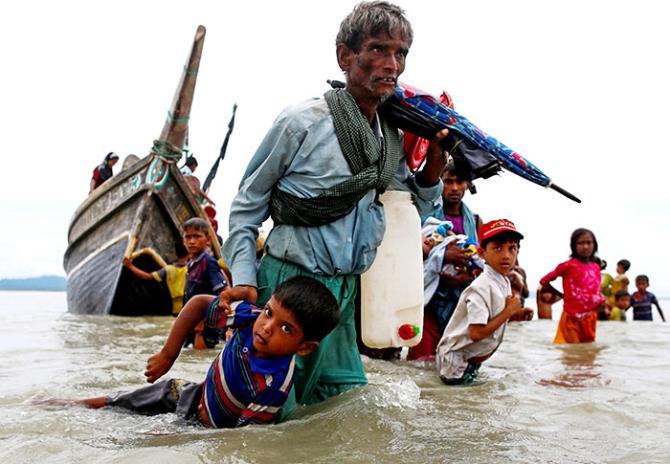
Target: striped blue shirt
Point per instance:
(241, 388)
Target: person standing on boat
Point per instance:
(318, 173)
(188, 172)
(103, 172)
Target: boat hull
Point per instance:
(136, 210)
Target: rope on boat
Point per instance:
(166, 150)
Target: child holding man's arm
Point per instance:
(251, 377)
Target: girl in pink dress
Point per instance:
(581, 290)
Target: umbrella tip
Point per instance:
(565, 193)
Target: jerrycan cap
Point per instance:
(408, 331)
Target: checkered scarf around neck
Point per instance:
(373, 166)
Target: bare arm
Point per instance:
(436, 160)
(189, 317)
(238, 292)
(660, 311)
(127, 263)
(512, 309)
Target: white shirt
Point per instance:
(479, 303)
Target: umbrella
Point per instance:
(476, 154)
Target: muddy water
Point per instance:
(603, 402)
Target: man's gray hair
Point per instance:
(370, 19)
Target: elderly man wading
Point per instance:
(318, 173)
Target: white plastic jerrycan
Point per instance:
(392, 289)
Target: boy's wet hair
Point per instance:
(624, 263)
(371, 19)
(313, 305)
(642, 277)
(502, 237)
(197, 224)
(621, 294)
(575, 236)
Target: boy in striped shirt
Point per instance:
(251, 377)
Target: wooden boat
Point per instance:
(137, 213)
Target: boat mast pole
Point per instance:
(175, 130)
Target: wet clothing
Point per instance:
(445, 298)
(483, 300)
(581, 286)
(642, 306)
(301, 155)
(580, 328)
(240, 389)
(468, 376)
(172, 395)
(336, 365)
(175, 280)
(203, 277)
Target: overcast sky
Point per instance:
(579, 88)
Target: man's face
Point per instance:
(276, 332)
(373, 71)
(453, 189)
(195, 241)
(500, 256)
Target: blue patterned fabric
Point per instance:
(432, 110)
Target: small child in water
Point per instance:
(621, 304)
(249, 380)
(642, 301)
(476, 329)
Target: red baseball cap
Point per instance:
(493, 228)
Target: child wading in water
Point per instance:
(249, 380)
(581, 289)
(475, 331)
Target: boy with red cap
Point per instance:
(476, 329)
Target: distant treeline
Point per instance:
(42, 283)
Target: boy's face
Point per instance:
(277, 333)
(500, 256)
(623, 302)
(641, 285)
(195, 241)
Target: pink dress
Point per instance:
(581, 286)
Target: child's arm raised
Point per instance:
(512, 309)
(189, 317)
(137, 271)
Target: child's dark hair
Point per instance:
(180, 250)
(575, 236)
(313, 305)
(197, 224)
(624, 263)
(502, 237)
(642, 277)
(621, 294)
